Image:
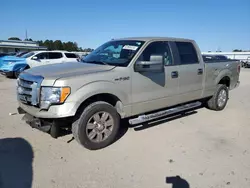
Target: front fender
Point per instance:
(13, 67)
(99, 87)
(20, 66)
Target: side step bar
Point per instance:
(149, 117)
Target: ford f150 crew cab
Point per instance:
(139, 79)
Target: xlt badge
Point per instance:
(122, 78)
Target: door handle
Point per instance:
(200, 71)
(174, 74)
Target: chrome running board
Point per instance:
(149, 117)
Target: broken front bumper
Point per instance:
(34, 122)
(48, 125)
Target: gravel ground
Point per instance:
(202, 150)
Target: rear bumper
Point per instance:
(236, 85)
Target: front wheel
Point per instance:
(97, 127)
(219, 100)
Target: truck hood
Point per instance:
(62, 70)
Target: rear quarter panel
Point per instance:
(216, 71)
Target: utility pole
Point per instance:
(26, 34)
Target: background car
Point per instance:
(20, 54)
(3, 54)
(11, 66)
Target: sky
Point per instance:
(214, 24)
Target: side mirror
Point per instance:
(154, 65)
(34, 58)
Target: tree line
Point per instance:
(237, 50)
(57, 45)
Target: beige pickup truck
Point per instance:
(139, 79)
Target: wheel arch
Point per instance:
(105, 97)
(101, 91)
(225, 81)
(21, 66)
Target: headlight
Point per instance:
(53, 95)
(10, 63)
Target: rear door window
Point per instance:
(43, 55)
(70, 55)
(187, 53)
(55, 55)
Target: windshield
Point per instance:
(21, 54)
(117, 53)
(28, 55)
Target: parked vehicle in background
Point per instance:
(20, 54)
(221, 57)
(12, 66)
(12, 53)
(246, 63)
(3, 54)
(214, 57)
(137, 78)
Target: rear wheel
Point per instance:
(219, 100)
(97, 127)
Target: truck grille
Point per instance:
(28, 89)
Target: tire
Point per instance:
(80, 129)
(54, 130)
(16, 73)
(10, 75)
(214, 102)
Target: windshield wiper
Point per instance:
(96, 62)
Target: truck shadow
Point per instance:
(139, 127)
(16, 157)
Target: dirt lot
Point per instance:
(206, 149)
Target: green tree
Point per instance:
(49, 44)
(58, 45)
(40, 42)
(88, 50)
(237, 50)
(14, 38)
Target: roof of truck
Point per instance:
(155, 38)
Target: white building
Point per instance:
(19, 46)
(242, 56)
